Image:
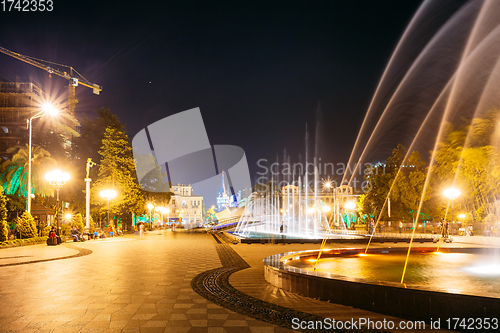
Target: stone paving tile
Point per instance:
(251, 281)
(123, 286)
(133, 285)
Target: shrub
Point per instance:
(25, 224)
(65, 230)
(78, 222)
(4, 231)
(25, 241)
(46, 230)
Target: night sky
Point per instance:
(258, 71)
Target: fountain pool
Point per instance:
(464, 271)
(454, 283)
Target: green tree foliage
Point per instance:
(15, 176)
(407, 179)
(92, 133)
(78, 222)
(408, 187)
(4, 230)
(53, 142)
(26, 226)
(117, 171)
(87, 145)
(380, 178)
(467, 160)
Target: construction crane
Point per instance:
(72, 75)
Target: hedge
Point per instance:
(26, 241)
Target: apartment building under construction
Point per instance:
(18, 102)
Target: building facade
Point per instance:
(18, 102)
(185, 205)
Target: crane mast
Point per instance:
(74, 80)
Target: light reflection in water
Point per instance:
(463, 273)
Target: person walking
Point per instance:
(110, 230)
(141, 230)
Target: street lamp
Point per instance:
(168, 214)
(150, 207)
(350, 205)
(108, 195)
(47, 109)
(451, 193)
(161, 210)
(56, 178)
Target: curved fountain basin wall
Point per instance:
(412, 302)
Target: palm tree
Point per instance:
(15, 176)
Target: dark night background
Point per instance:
(258, 71)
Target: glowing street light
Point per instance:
(350, 205)
(161, 210)
(108, 195)
(68, 217)
(461, 216)
(56, 178)
(47, 109)
(451, 193)
(150, 207)
(328, 184)
(325, 209)
(167, 210)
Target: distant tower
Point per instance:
(223, 198)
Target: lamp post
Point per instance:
(150, 207)
(168, 215)
(328, 184)
(108, 195)
(161, 210)
(57, 178)
(451, 193)
(46, 109)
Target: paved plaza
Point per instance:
(129, 284)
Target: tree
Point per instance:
(25, 225)
(15, 176)
(466, 159)
(89, 142)
(55, 143)
(117, 171)
(479, 174)
(87, 145)
(4, 230)
(408, 187)
(380, 178)
(78, 222)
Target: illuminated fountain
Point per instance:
(296, 213)
(422, 94)
(293, 209)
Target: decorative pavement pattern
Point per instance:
(131, 285)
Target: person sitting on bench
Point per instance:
(75, 233)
